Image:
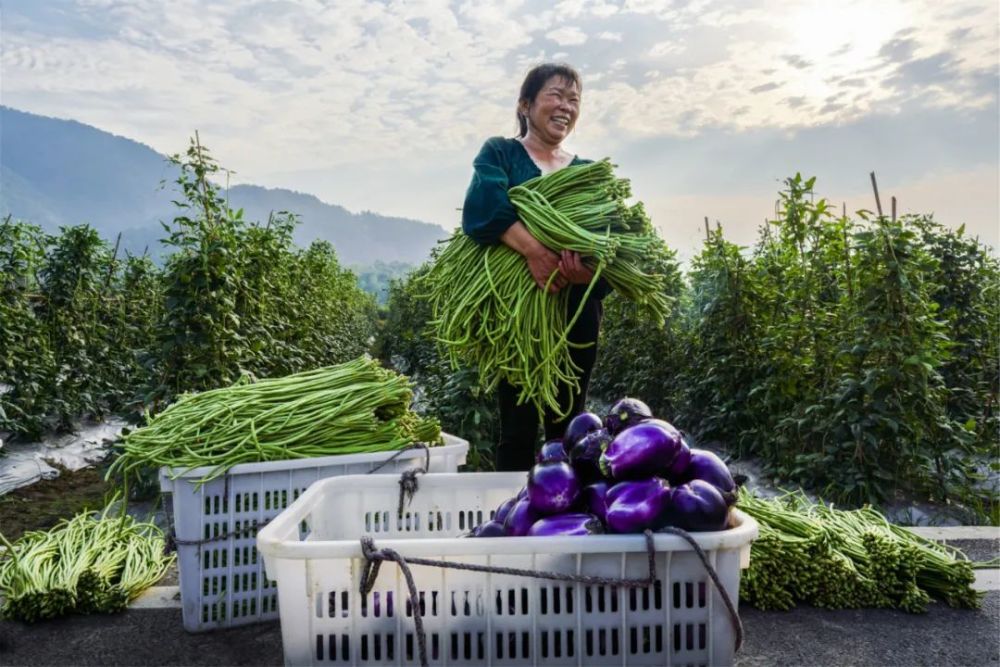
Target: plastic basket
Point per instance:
(222, 581)
(313, 551)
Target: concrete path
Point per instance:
(942, 637)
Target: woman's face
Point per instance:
(553, 114)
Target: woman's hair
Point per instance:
(533, 83)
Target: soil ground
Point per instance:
(41, 505)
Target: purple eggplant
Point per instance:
(552, 450)
(567, 524)
(585, 457)
(523, 493)
(675, 472)
(490, 529)
(697, 506)
(708, 467)
(624, 413)
(595, 499)
(579, 426)
(502, 511)
(552, 488)
(637, 505)
(641, 451)
(520, 518)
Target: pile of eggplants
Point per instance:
(625, 473)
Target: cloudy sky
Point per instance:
(706, 105)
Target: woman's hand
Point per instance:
(542, 262)
(572, 267)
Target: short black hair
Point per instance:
(533, 83)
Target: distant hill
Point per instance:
(60, 172)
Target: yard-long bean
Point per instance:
(92, 563)
(813, 553)
(355, 407)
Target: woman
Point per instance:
(547, 110)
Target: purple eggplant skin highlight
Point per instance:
(641, 451)
(595, 500)
(520, 518)
(624, 413)
(708, 467)
(585, 457)
(491, 529)
(567, 524)
(579, 426)
(697, 506)
(552, 488)
(634, 506)
(552, 450)
(502, 511)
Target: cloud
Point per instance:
(610, 36)
(764, 87)
(567, 36)
(796, 61)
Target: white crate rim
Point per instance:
(273, 543)
(168, 476)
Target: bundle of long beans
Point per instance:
(837, 559)
(92, 563)
(488, 313)
(352, 408)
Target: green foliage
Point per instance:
(27, 365)
(376, 278)
(854, 357)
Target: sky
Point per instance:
(706, 105)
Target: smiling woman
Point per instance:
(547, 110)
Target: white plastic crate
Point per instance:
(313, 551)
(222, 581)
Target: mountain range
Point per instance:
(56, 172)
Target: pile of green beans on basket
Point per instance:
(838, 559)
(487, 311)
(351, 408)
(92, 563)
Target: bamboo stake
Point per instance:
(878, 202)
(111, 264)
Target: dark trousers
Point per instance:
(519, 423)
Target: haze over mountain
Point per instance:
(57, 172)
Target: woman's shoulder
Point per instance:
(502, 144)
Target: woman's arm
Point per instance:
(488, 217)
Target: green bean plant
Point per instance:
(27, 364)
(74, 280)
